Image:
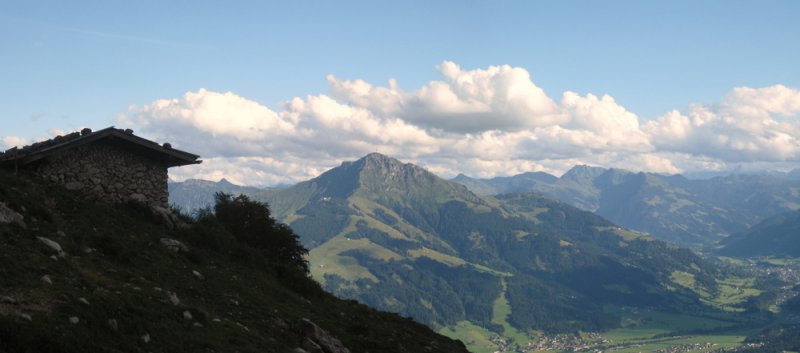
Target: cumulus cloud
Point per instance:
(14, 141)
(749, 125)
(467, 101)
(481, 122)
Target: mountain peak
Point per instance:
(376, 158)
(583, 172)
(224, 181)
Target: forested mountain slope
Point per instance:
(399, 238)
(690, 212)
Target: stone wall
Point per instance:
(99, 170)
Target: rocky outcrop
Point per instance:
(174, 245)
(52, 245)
(8, 215)
(318, 340)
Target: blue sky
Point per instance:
(67, 65)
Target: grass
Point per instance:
(731, 290)
(452, 261)
(645, 324)
(642, 331)
(116, 263)
(625, 234)
(533, 214)
(476, 338)
(500, 312)
(446, 259)
(788, 261)
(326, 258)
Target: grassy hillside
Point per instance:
(777, 236)
(398, 238)
(79, 276)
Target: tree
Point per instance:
(251, 223)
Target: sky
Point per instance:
(278, 92)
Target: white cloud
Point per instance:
(497, 98)
(762, 102)
(14, 141)
(742, 128)
(481, 122)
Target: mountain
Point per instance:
(502, 185)
(81, 276)
(777, 236)
(399, 238)
(195, 194)
(688, 212)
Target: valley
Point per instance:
(518, 272)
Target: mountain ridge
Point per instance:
(396, 217)
(670, 207)
(777, 236)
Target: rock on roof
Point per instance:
(169, 156)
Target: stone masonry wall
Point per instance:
(108, 173)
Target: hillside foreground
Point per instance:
(77, 276)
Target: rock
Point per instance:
(83, 301)
(312, 347)
(7, 299)
(52, 245)
(173, 298)
(146, 338)
(299, 350)
(74, 320)
(113, 324)
(138, 197)
(174, 245)
(198, 275)
(168, 217)
(73, 185)
(61, 234)
(318, 340)
(197, 324)
(187, 315)
(8, 215)
(26, 317)
(46, 279)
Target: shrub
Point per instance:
(251, 223)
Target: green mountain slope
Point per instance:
(78, 276)
(399, 238)
(777, 236)
(671, 208)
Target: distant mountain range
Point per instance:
(195, 194)
(399, 238)
(777, 236)
(689, 212)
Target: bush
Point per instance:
(251, 223)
